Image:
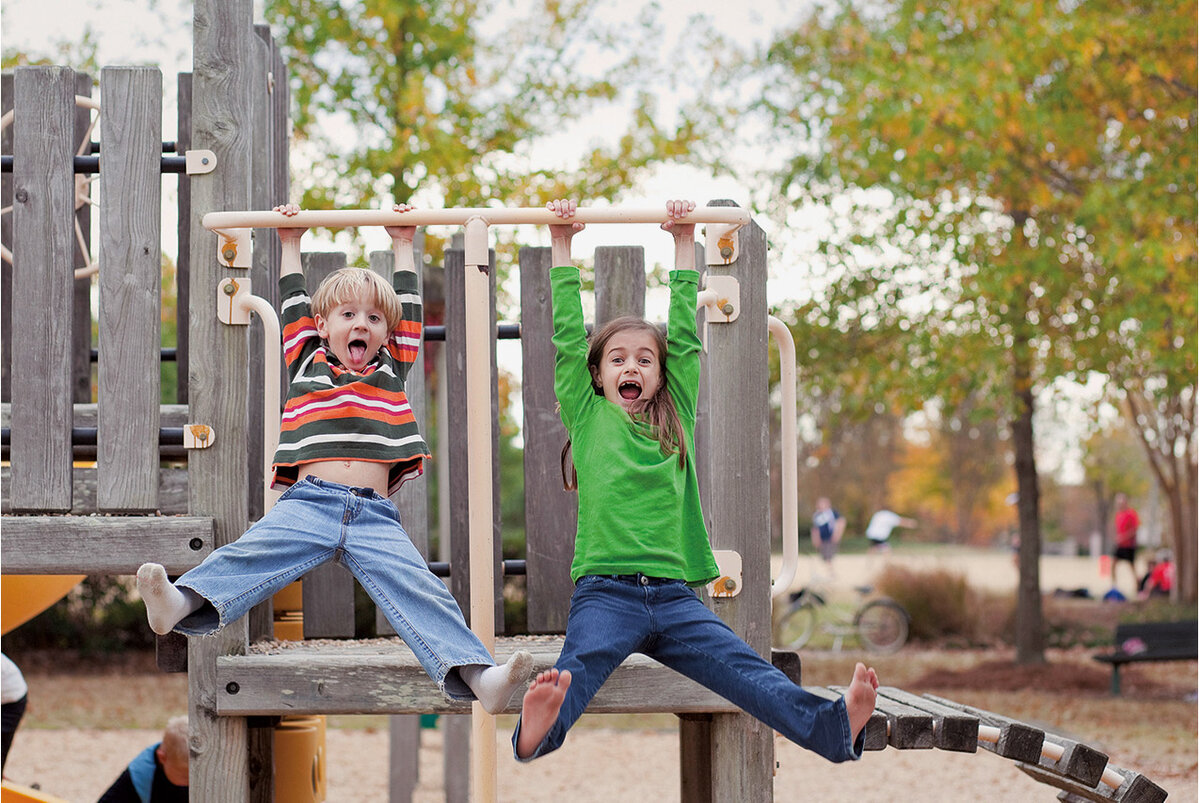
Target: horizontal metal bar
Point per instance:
(86, 436)
(91, 164)
(343, 218)
(511, 568)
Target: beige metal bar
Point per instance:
(345, 218)
(271, 366)
(790, 487)
(477, 298)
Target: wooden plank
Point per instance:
(457, 453)
(183, 141)
(620, 272)
(739, 450)
(221, 122)
(6, 237)
(103, 544)
(952, 729)
(1018, 741)
(383, 677)
(875, 732)
(550, 510)
(695, 734)
(908, 728)
(43, 286)
(130, 289)
(1135, 788)
(172, 491)
(81, 309)
(404, 746)
(456, 758)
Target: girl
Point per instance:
(629, 405)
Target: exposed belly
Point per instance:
(355, 473)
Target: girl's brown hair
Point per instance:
(658, 412)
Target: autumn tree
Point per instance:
(445, 102)
(996, 166)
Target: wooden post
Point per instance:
(6, 237)
(43, 287)
(455, 347)
(549, 509)
(183, 141)
(218, 477)
(742, 767)
(130, 289)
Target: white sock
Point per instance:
(494, 685)
(166, 605)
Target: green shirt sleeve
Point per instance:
(572, 380)
(683, 346)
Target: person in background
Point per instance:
(14, 693)
(879, 529)
(158, 774)
(1126, 524)
(827, 528)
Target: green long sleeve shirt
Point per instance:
(638, 510)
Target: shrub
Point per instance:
(943, 607)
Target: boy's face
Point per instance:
(628, 369)
(355, 331)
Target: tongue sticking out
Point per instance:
(358, 351)
(629, 391)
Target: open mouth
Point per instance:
(357, 349)
(629, 390)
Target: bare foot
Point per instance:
(540, 707)
(860, 698)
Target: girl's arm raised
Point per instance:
(684, 234)
(560, 235)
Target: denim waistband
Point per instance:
(640, 579)
(366, 493)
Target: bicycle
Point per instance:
(881, 623)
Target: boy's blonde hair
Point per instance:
(347, 284)
(175, 740)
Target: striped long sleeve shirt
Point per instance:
(333, 413)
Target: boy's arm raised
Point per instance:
(402, 242)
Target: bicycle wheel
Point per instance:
(882, 625)
(797, 625)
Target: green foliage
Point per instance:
(444, 102)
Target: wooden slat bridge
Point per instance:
(381, 676)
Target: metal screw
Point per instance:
(196, 544)
(232, 687)
(229, 288)
(730, 584)
(726, 252)
(22, 195)
(727, 308)
(204, 161)
(229, 253)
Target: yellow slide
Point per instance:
(15, 793)
(24, 596)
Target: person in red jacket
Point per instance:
(1126, 523)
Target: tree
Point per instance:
(443, 102)
(987, 158)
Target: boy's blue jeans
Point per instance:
(314, 522)
(611, 618)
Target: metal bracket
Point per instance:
(199, 162)
(198, 436)
(729, 582)
(728, 304)
(720, 243)
(231, 298)
(233, 248)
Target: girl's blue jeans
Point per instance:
(315, 522)
(612, 617)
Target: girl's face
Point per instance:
(355, 331)
(629, 368)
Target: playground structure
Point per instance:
(176, 516)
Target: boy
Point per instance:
(347, 440)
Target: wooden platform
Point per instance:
(381, 676)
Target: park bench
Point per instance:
(1149, 641)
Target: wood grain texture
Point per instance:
(103, 544)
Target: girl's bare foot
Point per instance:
(540, 707)
(860, 698)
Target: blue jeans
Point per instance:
(611, 618)
(315, 522)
